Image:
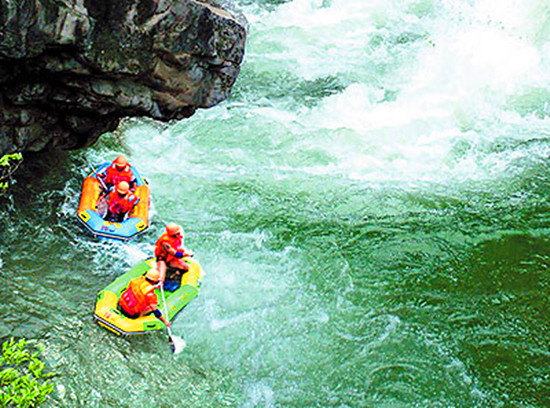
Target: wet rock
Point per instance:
(71, 69)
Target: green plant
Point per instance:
(8, 159)
(23, 382)
(8, 164)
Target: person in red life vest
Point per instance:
(119, 170)
(120, 202)
(169, 251)
(139, 298)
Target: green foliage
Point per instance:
(23, 382)
(8, 159)
(8, 164)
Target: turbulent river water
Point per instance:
(371, 207)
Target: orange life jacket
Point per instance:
(138, 297)
(121, 205)
(115, 176)
(174, 242)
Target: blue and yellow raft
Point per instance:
(107, 314)
(137, 220)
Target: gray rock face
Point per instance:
(71, 69)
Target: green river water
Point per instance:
(371, 207)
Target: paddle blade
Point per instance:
(177, 344)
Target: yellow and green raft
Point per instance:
(108, 315)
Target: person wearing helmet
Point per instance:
(139, 298)
(119, 170)
(120, 201)
(169, 251)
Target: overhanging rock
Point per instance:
(70, 70)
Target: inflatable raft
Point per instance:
(89, 214)
(109, 316)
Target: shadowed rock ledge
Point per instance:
(71, 69)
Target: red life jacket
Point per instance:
(174, 242)
(121, 205)
(138, 297)
(115, 176)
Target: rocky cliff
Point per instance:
(71, 69)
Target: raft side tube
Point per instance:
(141, 210)
(90, 194)
(98, 227)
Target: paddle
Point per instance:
(94, 171)
(101, 181)
(101, 205)
(177, 344)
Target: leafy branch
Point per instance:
(23, 382)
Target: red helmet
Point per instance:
(120, 161)
(123, 187)
(173, 229)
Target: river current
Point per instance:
(371, 208)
